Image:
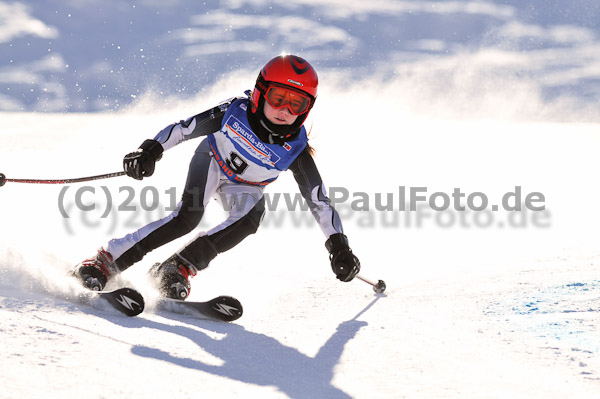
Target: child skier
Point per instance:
(249, 142)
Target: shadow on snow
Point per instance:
(262, 360)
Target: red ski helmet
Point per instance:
(292, 73)
(288, 70)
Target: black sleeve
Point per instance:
(312, 189)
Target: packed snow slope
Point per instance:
(479, 304)
(497, 100)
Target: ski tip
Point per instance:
(221, 308)
(227, 308)
(126, 300)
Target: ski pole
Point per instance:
(4, 180)
(378, 287)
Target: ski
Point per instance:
(126, 300)
(221, 308)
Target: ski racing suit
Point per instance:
(233, 165)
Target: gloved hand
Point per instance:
(344, 263)
(140, 164)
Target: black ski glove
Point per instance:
(344, 263)
(140, 164)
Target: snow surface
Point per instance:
(489, 305)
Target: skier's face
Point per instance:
(279, 116)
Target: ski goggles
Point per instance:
(296, 102)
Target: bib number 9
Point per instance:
(236, 163)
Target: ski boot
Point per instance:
(96, 271)
(172, 276)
